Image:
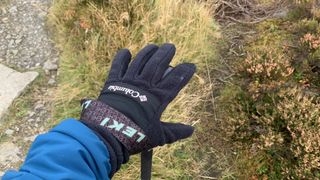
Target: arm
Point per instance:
(69, 151)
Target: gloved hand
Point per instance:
(132, 100)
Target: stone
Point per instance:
(18, 41)
(13, 9)
(50, 66)
(11, 43)
(31, 120)
(9, 152)
(30, 138)
(5, 20)
(38, 106)
(38, 119)
(12, 84)
(9, 132)
(15, 52)
(51, 81)
(31, 113)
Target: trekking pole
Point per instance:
(146, 164)
(146, 156)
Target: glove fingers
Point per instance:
(138, 63)
(119, 64)
(176, 131)
(158, 63)
(178, 77)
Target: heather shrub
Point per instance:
(288, 126)
(268, 66)
(301, 114)
(273, 110)
(311, 43)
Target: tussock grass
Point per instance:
(90, 32)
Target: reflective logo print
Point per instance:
(126, 130)
(86, 104)
(127, 91)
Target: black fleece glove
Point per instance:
(132, 100)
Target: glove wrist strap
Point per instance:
(120, 126)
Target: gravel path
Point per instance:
(24, 39)
(25, 44)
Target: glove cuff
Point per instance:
(132, 137)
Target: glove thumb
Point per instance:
(176, 131)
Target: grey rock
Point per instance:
(39, 106)
(49, 66)
(18, 41)
(52, 81)
(13, 9)
(30, 138)
(38, 119)
(11, 43)
(9, 132)
(12, 84)
(15, 52)
(31, 113)
(9, 152)
(4, 20)
(31, 120)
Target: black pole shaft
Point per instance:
(146, 164)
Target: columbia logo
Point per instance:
(127, 91)
(143, 98)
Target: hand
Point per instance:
(135, 95)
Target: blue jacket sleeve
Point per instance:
(69, 151)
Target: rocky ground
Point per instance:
(25, 44)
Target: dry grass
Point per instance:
(247, 11)
(90, 32)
